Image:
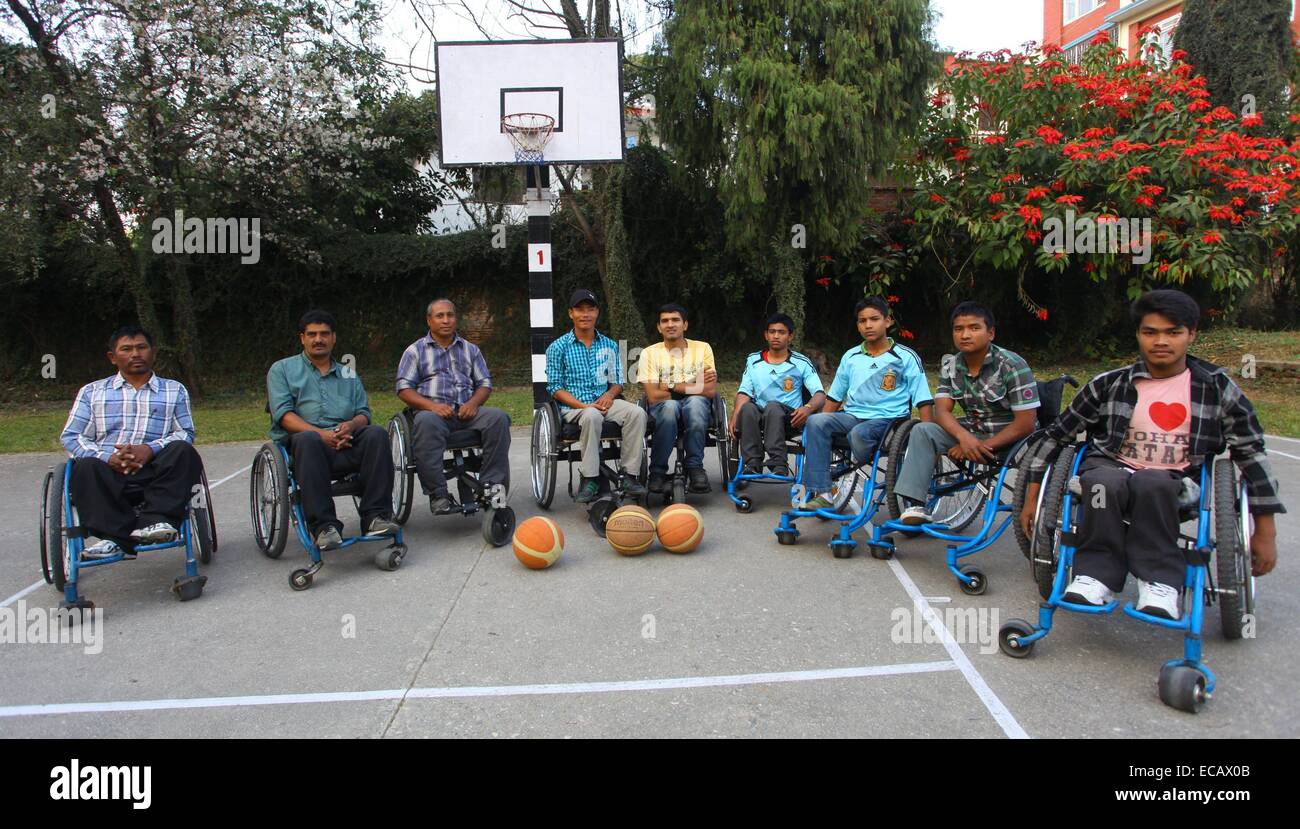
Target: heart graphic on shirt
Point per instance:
(1168, 416)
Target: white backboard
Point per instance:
(579, 83)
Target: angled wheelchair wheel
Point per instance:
(54, 542)
(844, 492)
(725, 467)
(268, 500)
(203, 521)
(958, 508)
(1017, 507)
(1049, 522)
(1236, 586)
(399, 443)
(895, 451)
(543, 452)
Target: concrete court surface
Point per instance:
(742, 638)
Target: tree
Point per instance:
(1243, 48)
(788, 110)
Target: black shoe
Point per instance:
(658, 483)
(328, 539)
(780, 470)
(379, 525)
(441, 505)
(588, 491)
(630, 485)
(699, 480)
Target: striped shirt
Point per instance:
(1004, 385)
(448, 375)
(584, 372)
(1222, 417)
(112, 411)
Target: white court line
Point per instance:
(29, 588)
(999, 711)
(1283, 454)
(1279, 437)
(480, 691)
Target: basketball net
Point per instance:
(529, 132)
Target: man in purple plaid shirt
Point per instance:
(132, 438)
(444, 378)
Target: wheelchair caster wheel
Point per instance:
(1182, 687)
(300, 579)
(788, 539)
(498, 526)
(745, 506)
(186, 589)
(974, 583)
(882, 553)
(389, 558)
(843, 550)
(1009, 638)
(599, 514)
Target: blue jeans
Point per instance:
(864, 437)
(694, 412)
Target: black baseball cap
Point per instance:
(580, 296)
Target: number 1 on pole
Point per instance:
(539, 258)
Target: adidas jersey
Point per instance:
(885, 386)
(785, 382)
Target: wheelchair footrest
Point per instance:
(189, 588)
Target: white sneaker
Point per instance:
(159, 533)
(100, 550)
(1087, 590)
(1158, 599)
(915, 515)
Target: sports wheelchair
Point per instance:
(63, 539)
(274, 501)
(739, 478)
(847, 475)
(553, 441)
(1222, 517)
(717, 437)
(462, 460)
(963, 490)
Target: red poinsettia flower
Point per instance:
(1179, 54)
(891, 299)
(1145, 201)
(1030, 214)
(1037, 193)
(1089, 267)
(1252, 120)
(824, 281)
(1069, 199)
(1222, 212)
(905, 334)
(1164, 106)
(1211, 237)
(1033, 236)
(995, 139)
(998, 215)
(1050, 134)
(1139, 170)
(1042, 314)
(936, 198)
(995, 198)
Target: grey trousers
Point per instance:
(429, 441)
(629, 417)
(759, 430)
(925, 443)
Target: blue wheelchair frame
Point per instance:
(301, 579)
(972, 581)
(744, 478)
(873, 495)
(190, 587)
(1019, 641)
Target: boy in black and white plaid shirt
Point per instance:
(1149, 425)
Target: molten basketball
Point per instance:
(630, 530)
(538, 542)
(680, 528)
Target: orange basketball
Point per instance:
(630, 530)
(680, 528)
(538, 542)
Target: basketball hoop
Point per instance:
(529, 132)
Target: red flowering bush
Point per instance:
(1014, 140)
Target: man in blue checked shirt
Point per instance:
(584, 374)
(131, 436)
(445, 379)
(770, 399)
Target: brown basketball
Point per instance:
(538, 542)
(680, 528)
(630, 530)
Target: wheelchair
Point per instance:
(962, 491)
(462, 460)
(717, 438)
(63, 539)
(274, 501)
(553, 441)
(1221, 512)
(847, 476)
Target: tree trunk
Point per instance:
(787, 277)
(625, 319)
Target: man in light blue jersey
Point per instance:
(876, 383)
(770, 399)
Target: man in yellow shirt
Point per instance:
(679, 378)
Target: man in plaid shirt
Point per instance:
(131, 436)
(1148, 425)
(445, 379)
(585, 376)
(998, 396)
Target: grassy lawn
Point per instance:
(35, 427)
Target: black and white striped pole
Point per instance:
(541, 308)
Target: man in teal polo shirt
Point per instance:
(876, 383)
(320, 408)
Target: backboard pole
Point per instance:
(541, 305)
